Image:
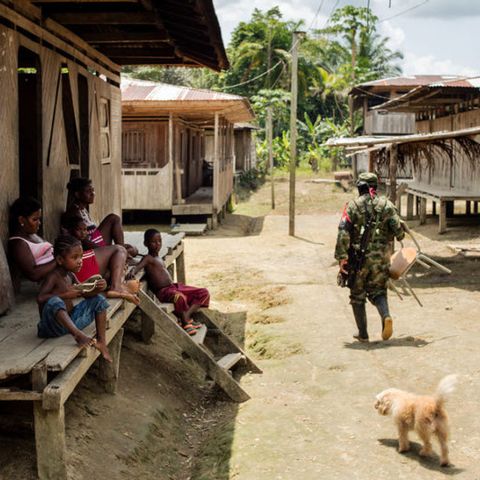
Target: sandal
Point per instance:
(190, 329)
(88, 285)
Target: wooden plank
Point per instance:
(9, 394)
(205, 317)
(67, 350)
(229, 360)
(105, 18)
(190, 228)
(60, 388)
(229, 385)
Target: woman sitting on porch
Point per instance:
(81, 194)
(33, 256)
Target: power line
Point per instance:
(404, 11)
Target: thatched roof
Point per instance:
(133, 32)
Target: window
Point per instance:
(104, 123)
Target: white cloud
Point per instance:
(414, 64)
(396, 35)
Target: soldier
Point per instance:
(367, 227)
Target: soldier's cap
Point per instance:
(369, 178)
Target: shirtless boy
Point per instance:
(187, 299)
(58, 315)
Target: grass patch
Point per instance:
(266, 346)
(266, 297)
(213, 459)
(262, 319)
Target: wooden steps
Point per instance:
(196, 349)
(229, 360)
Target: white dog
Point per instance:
(424, 414)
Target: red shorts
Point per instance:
(184, 296)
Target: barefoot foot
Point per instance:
(83, 340)
(103, 349)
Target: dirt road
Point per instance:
(311, 415)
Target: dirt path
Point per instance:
(311, 414)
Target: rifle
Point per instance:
(356, 258)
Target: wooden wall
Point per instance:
(389, 123)
(56, 163)
(9, 188)
(456, 174)
(245, 151)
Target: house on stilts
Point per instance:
(179, 148)
(442, 155)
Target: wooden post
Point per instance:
(108, 371)
(468, 207)
(49, 433)
(409, 206)
(293, 132)
(270, 152)
(442, 221)
(7, 297)
(173, 161)
(434, 207)
(50, 442)
(148, 328)
(180, 268)
(475, 208)
(399, 204)
(216, 166)
(423, 211)
(393, 172)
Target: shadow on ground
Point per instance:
(414, 342)
(430, 463)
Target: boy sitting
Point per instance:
(186, 299)
(58, 315)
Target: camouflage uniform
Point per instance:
(371, 280)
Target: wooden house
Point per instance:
(178, 147)
(443, 155)
(380, 122)
(60, 90)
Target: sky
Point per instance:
(435, 36)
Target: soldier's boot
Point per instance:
(360, 314)
(387, 323)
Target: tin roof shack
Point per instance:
(167, 162)
(60, 96)
(383, 122)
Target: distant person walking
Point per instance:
(368, 225)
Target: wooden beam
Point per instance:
(124, 37)
(108, 371)
(105, 18)
(9, 394)
(128, 52)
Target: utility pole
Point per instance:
(270, 151)
(269, 114)
(293, 131)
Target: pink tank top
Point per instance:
(42, 252)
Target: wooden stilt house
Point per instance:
(60, 67)
(442, 156)
(168, 163)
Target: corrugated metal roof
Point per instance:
(138, 90)
(421, 80)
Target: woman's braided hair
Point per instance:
(63, 244)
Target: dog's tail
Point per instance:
(445, 388)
